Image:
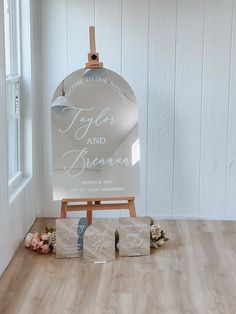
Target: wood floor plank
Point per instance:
(194, 273)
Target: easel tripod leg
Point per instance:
(132, 210)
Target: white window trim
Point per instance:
(15, 77)
(15, 56)
(17, 183)
(13, 181)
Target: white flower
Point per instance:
(158, 237)
(161, 242)
(54, 249)
(28, 239)
(45, 237)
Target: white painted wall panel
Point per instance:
(216, 69)
(161, 91)
(80, 16)
(231, 162)
(19, 212)
(188, 93)
(54, 61)
(108, 33)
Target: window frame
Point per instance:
(12, 78)
(14, 28)
(12, 180)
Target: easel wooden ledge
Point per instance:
(91, 204)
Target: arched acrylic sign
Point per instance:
(95, 141)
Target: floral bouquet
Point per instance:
(157, 235)
(42, 242)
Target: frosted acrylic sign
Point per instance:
(69, 237)
(134, 236)
(95, 142)
(99, 243)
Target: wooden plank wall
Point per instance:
(180, 59)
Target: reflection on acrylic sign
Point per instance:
(134, 236)
(69, 237)
(95, 140)
(99, 243)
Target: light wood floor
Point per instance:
(195, 272)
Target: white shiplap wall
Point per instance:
(180, 58)
(19, 209)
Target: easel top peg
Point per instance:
(93, 56)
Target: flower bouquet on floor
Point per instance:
(157, 235)
(42, 242)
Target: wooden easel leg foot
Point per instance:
(63, 210)
(132, 210)
(89, 217)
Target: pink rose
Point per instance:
(35, 244)
(36, 236)
(39, 246)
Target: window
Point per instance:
(12, 65)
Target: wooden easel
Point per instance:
(90, 204)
